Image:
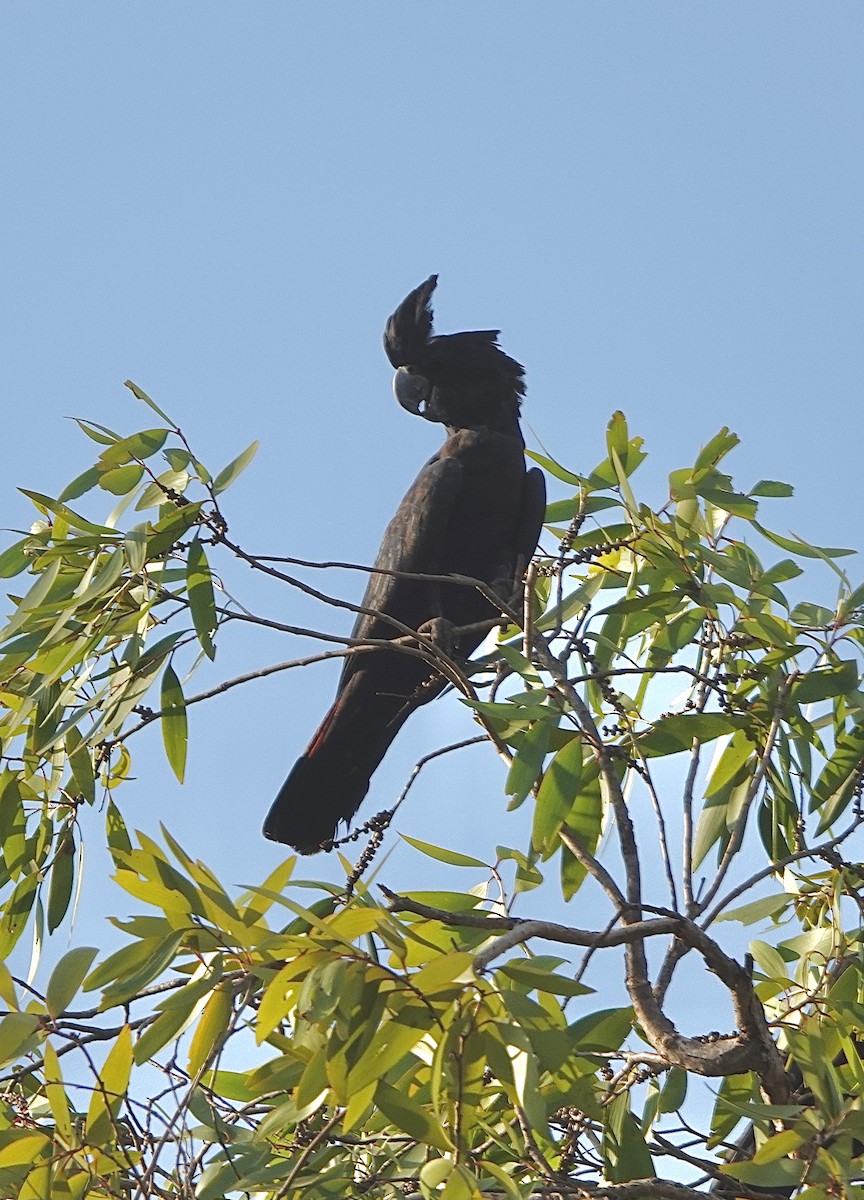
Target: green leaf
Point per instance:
(574, 603)
(824, 682)
(624, 1150)
(772, 487)
(836, 785)
(156, 493)
(732, 502)
(796, 545)
(135, 547)
(674, 1091)
(177, 1013)
(121, 480)
(56, 1094)
(32, 599)
(733, 765)
(564, 510)
(812, 615)
(116, 834)
(604, 1030)
(785, 1173)
(453, 857)
(135, 966)
(433, 1173)
(16, 913)
(212, 1027)
(526, 971)
(715, 450)
(443, 972)
(16, 1030)
(733, 1096)
(23, 1148)
(389, 1045)
(227, 476)
(570, 787)
(554, 468)
(527, 1081)
(81, 765)
(13, 561)
(110, 1090)
(174, 725)
(769, 960)
(758, 910)
(13, 824)
(510, 1187)
(557, 795)
(528, 761)
(199, 588)
(410, 1117)
(66, 979)
(140, 395)
(676, 734)
(100, 434)
(137, 446)
(62, 878)
(82, 484)
(66, 513)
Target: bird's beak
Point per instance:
(411, 390)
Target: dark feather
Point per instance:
(473, 510)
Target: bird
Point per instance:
(473, 510)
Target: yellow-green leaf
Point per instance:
(227, 476)
(67, 977)
(16, 1030)
(453, 857)
(23, 1149)
(211, 1028)
(56, 1094)
(410, 1117)
(110, 1089)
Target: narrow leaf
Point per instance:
(528, 761)
(453, 857)
(410, 1117)
(199, 587)
(13, 561)
(554, 468)
(62, 878)
(66, 979)
(110, 1089)
(211, 1028)
(174, 724)
(227, 476)
(140, 395)
(772, 487)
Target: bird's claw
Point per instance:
(439, 631)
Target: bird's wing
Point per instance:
(413, 542)
(532, 518)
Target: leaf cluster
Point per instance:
(690, 735)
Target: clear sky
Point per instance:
(659, 204)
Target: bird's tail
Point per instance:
(328, 782)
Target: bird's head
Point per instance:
(462, 380)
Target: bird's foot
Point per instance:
(508, 591)
(439, 631)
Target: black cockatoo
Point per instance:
(473, 510)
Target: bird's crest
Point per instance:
(409, 342)
(408, 331)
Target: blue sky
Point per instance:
(658, 203)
